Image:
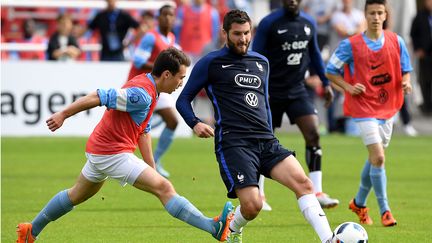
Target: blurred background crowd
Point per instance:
(112, 33)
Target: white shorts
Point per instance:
(165, 101)
(375, 131)
(124, 167)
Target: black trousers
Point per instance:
(425, 81)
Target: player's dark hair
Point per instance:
(163, 8)
(235, 16)
(383, 2)
(170, 59)
(369, 2)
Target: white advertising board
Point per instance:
(31, 91)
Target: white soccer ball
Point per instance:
(350, 232)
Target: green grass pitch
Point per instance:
(35, 169)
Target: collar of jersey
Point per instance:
(149, 76)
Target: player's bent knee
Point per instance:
(164, 188)
(77, 197)
(172, 124)
(378, 160)
(251, 209)
(304, 186)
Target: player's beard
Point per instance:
(234, 47)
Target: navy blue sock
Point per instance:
(58, 206)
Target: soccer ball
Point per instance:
(350, 232)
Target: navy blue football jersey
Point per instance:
(290, 44)
(237, 87)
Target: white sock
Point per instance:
(238, 222)
(313, 213)
(316, 178)
(261, 185)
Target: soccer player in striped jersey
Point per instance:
(110, 149)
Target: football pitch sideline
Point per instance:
(35, 169)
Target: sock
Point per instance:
(365, 185)
(313, 213)
(165, 141)
(379, 183)
(313, 158)
(179, 207)
(238, 221)
(58, 206)
(261, 185)
(316, 178)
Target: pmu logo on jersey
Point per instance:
(251, 99)
(247, 80)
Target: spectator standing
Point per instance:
(321, 11)
(421, 34)
(197, 25)
(62, 44)
(113, 25)
(30, 36)
(348, 21)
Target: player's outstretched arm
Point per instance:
(84, 103)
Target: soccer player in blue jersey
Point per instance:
(287, 37)
(110, 150)
(236, 82)
(374, 70)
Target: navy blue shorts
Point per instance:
(241, 161)
(294, 108)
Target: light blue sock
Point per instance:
(165, 141)
(379, 183)
(58, 206)
(365, 185)
(179, 207)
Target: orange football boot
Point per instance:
(387, 219)
(362, 213)
(24, 233)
